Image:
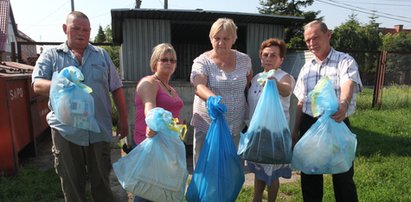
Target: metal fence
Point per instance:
(377, 68)
(395, 67)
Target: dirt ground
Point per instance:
(44, 160)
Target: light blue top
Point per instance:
(99, 74)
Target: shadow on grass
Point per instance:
(371, 143)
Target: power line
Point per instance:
(105, 13)
(398, 0)
(54, 11)
(378, 4)
(366, 11)
(388, 14)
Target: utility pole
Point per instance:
(165, 4)
(138, 3)
(72, 5)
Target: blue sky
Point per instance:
(42, 19)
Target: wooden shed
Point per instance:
(137, 31)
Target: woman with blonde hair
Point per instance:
(155, 91)
(221, 71)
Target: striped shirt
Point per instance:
(339, 67)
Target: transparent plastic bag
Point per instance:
(71, 100)
(268, 138)
(327, 147)
(218, 175)
(156, 168)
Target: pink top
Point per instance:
(163, 100)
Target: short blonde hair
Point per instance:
(225, 24)
(160, 50)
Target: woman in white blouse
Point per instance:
(223, 72)
(272, 53)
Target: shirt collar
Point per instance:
(314, 60)
(64, 47)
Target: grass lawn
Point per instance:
(383, 159)
(382, 164)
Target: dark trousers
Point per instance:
(312, 185)
(77, 164)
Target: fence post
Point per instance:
(379, 80)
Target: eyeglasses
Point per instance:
(165, 60)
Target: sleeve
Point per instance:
(199, 67)
(44, 66)
(114, 78)
(299, 87)
(349, 71)
(292, 81)
(249, 65)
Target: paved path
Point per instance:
(249, 177)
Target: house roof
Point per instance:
(4, 16)
(24, 36)
(397, 29)
(118, 16)
(6, 12)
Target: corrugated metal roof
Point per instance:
(118, 16)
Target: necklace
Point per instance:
(168, 89)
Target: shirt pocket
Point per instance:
(100, 73)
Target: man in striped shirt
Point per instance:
(342, 69)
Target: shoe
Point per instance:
(126, 148)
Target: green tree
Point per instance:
(101, 36)
(349, 35)
(373, 45)
(114, 51)
(400, 42)
(106, 37)
(372, 33)
(399, 57)
(294, 34)
(362, 42)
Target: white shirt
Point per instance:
(339, 67)
(255, 90)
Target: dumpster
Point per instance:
(22, 117)
(15, 127)
(38, 110)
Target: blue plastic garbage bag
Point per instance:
(327, 147)
(156, 169)
(218, 175)
(268, 138)
(71, 100)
